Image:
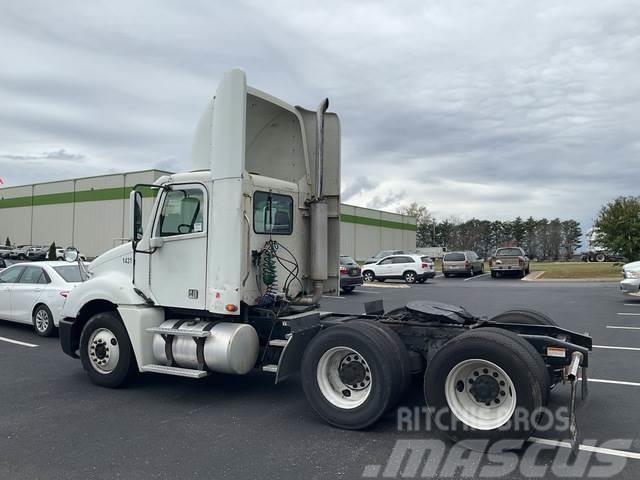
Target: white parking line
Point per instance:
(623, 328)
(610, 347)
(336, 297)
(17, 342)
(629, 314)
(478, 276)
(587, 448)
(632, 304)
(614, 382)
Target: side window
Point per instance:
(31, 275)
(11, 275)
(387, 261)
(44, 278)
(402, 260)
(182, 212)
(272, 213)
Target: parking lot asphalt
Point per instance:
(55, 424)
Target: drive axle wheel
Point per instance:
(479, 385)
(105, 351)
(347, 375)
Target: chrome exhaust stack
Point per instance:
(319, 239)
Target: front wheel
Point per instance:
(105, 351)
(43, 321)
(368, 276)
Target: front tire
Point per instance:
(105, 351)
(43, 321)
(347, 376)
(368, 276)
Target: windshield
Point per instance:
(508, 252)
(454, 257)
(71, 273)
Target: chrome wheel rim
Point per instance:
(368, 276)
(344, 377)
(410, 277)
(480, 394)
(104, 351)
(42, 320)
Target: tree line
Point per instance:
(541, 238)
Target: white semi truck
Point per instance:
(227, 272)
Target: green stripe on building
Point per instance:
(121, 193)
(93, 195)
(376, 222)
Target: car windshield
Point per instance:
(347, 261)
(454, 257)
(508, 252)
(71, 273)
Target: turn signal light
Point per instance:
(230, 307)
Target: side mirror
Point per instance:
(135, 216)
(71, 254)
(156, 242)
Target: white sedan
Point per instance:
(631, 283)
(35, 293)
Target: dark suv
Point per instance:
(350, 274)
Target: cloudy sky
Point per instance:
(475, 108)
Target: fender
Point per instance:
(114, 287)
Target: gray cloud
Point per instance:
(487, 109)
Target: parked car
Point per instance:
(35, 253)
(630, 285)
(35, 293)
(5, 251)
(350, 274)
(462, 263)
(384, 253)
(19, 252)
(509, 259)
(411, 268)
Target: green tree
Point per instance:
(619, 225)
(7, 242)
(424, 223)
(52, 252)
(518, 231)
(571, 235)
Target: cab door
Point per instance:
(178, 264)
(384, 268)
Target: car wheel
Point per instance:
(600, 257)
(410, 277)
(105, 351)
(368, 276)
(348, 289)
(43, 321)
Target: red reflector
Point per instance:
(425, 265)
(343, 270)
(230, 307)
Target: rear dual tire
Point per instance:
(353, 373)
(478, 382)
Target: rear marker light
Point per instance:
(230, 307)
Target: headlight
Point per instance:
(635, 274)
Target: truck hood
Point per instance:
(118, 259)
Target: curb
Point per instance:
(535, 277)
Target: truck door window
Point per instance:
(272, 213)
(182, 212)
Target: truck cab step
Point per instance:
(180, 333)
(278, 342)
(177, 371)
(270, 368)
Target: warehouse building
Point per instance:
(92, 214)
